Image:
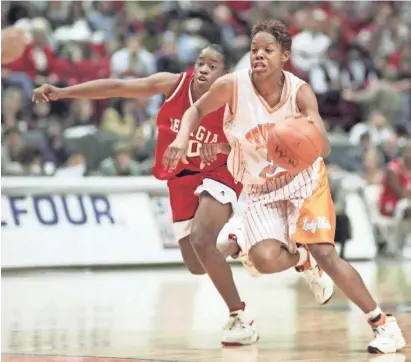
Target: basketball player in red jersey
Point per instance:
(395, 199)
(265, 94)
(197, 221)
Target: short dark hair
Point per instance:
(219, 49)
(277, 29)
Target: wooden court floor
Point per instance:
(169, 315)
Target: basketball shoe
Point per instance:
(388, 337)
(238, 331)
(320, 283)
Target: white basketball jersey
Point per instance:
(247, 129)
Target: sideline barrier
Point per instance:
(94, 221)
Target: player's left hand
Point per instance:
(175, 152)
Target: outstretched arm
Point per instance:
(160, 83)
(219, 94)
(308, 106)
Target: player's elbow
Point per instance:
(125, 89)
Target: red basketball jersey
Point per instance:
(389, 199)
(169, 121)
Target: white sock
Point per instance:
(303, 255)
(373, 314)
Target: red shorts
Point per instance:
(184, 192)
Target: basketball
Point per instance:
(13, 43)
(294, 144)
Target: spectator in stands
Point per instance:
(327, 79)
(310, 46)
(74, 167)
(377, 126)
(55, 150)
(359, 69)
(364, 159)
(81, 113)
(11, 150)
(123, 116)
(41, 115)
(404, 74)
(383, 95)
(32, 162)
(395, 199)
(105, 18)
(391, 148)
(167, 57)
(12, 114)
(121, 164)
(143, 150)
(133, 61)
(372, 171)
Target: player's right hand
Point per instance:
(176, 151)
(46, 93)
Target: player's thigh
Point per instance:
(316, 218)
(210, 218)
(218, 195)
(190, 257)
(184, 203)
(266, 221)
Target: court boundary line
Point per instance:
(88, 356)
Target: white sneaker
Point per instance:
(239, 332)
(321, 285)
(388, 337)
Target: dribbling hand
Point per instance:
(175, 152)
(46, 93)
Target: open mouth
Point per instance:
(259, 66)
(201, 78)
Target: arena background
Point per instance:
(76, 174)
(81, 213)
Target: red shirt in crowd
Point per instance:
(389, 199)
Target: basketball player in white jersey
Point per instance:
(284, 209)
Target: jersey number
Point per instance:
(193, 149)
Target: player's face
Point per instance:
(208, 68)
(266, 54)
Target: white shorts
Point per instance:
(222, 193)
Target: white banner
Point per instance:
(81, 229)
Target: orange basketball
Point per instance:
(294, 144)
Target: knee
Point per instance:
(325, 255)
(202, 238)
(264, 256)
(190, 258)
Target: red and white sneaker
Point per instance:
(239, 331)
(388, 337)
(319, 282)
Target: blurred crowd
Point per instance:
(355, 55)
